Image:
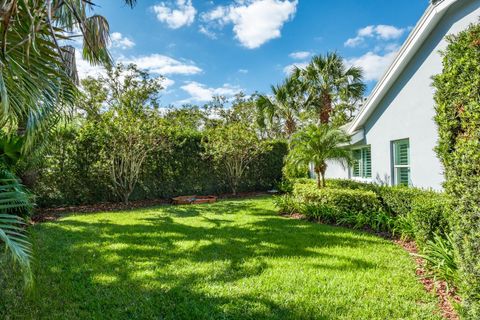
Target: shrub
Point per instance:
(397, 200)
(286, 204)
(439, 256)
(350, 184)
(333, 204)
(457, 107)
(429, 216)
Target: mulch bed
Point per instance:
(52, 214)
(445, 294)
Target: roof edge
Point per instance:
(426, 24)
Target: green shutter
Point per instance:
(404, 176)
(367, 162)
(402, 162)
(402, 153)
(357, 157)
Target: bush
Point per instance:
(429, 216)
(397, 200)
(350, 184)
(75, 172)
(457, 107)
(439, 256)
(331, 205)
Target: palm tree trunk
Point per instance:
(290, 127)
(320, 172)
(326, 109)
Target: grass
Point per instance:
(231, 260)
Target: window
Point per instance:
(401, 162)
(362, 164)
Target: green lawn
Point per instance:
(230, 260)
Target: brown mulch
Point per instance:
(52, 214)
(446, 295)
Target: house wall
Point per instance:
(407, 110)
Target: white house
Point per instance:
(394, 134)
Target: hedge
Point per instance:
(74, 171)
(457, 107)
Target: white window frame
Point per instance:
(363, 175)
(395, 166)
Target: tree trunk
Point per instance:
(290, 127)
(320, 172)
(326, 109)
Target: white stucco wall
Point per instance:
(407, 110)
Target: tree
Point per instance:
(317, 145)
(37, 75)
(130, 136)
(333, 90)
(131, 124)
(233, 147)
(38, 85)
(457, 108)
(284, 106)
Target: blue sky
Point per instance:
(204, 48)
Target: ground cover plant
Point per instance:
(236, 259)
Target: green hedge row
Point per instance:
(457, 108)
(75, 172)
(412, 213)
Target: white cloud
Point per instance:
(177, 15)
(209, 33)
(382, 32)
(155, 64)
(291, 67)
(167, 83)
(300, 55)
(85, 69)
(163, 65)
(255, 22)
(244, 71)
(119, 41)
(201, 93)
(374, 65)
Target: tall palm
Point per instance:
(37, 59)
(317, 145)
(331, 85)
(37, 85)
(284, 105)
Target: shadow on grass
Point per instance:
(157, 267)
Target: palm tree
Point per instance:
(37, 86)
(37, 59)
(285, 105)
(316, 145)
(331, 85)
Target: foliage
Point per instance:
(316, 145)
(234, 259)
(76, 169)
(430, 213)
(14, 201)
(331, 205)
(131, 127)
(284, 107)
(457, 100)
(440, 258)
(37, 75)
(233, 147)
(333, 89)
(397, 200)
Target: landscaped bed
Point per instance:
(235, 259)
